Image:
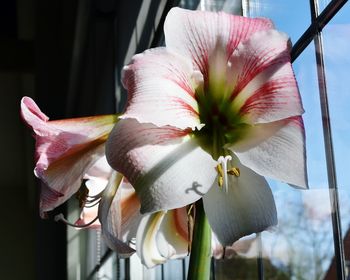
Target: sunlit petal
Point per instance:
(166, 167)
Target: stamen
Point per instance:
(82, 195)
(97, 195)
(61, 218)
(90, 204)
(221, 175)
(223, 163)
(92, 200)
(234, 171)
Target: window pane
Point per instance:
(323, 4)
(337, 61)
(302, 244)
(292, 17)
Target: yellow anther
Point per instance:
(220, 175)
(219, 170)
(234, 171)
(220, 181)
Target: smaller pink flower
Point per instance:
(65, 150)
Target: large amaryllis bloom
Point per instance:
(209, 115)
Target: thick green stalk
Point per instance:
(199, 267)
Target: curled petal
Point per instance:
(110, 217)
(160, 164)
(65, 150)
(161, 89)
(247, 207)
(146, 240)
(265, 87)
(173, 236)
(194, 34)
(276, 150)
(162, 236)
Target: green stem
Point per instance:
(199, 267)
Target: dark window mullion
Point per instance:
(316, 26)
(330, 161)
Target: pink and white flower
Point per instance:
(65, 151)
(209, 115)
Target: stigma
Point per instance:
(222, 171)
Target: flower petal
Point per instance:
(161, 89)
(65, 150)
(247, 207)
(162, 236)
(110, 217)
(173, 236)
(265, 87)
(279, 154)
(146, 242)
(166, 167)
(98, 173)
(195, 34)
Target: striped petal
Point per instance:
(265, 87)
(276, 150)
(195, 34)
(162, 236)
(65, 150)
(161, 89)
(167, 168)
(247, 207)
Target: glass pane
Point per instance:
(301, 246)
(292, 17)
(337, 62)
(322, 4)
